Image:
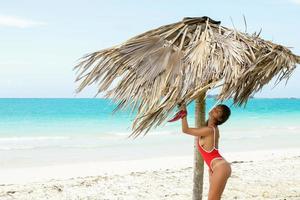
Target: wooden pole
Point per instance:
(198, 161)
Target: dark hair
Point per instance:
(225, 114)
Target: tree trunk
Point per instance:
(198, 161)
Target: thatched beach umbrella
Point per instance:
(178, 63)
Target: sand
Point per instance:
(268, 174)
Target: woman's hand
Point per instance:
(182, 106)
(180, 114)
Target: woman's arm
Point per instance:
(203, 131)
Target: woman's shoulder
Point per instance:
(214, 128)
(210, 129)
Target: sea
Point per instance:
(51, 131)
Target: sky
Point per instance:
(41, 41)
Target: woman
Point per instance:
(219, 169)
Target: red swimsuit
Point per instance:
(209, 156)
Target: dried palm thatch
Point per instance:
(173, 63)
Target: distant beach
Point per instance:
(84, 149)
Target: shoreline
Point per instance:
(25, 175)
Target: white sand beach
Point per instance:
(264, 174)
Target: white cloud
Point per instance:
(17, 22)
(296, 1)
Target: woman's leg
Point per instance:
(210, 175)
(220, 175)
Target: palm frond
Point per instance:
(174, 63)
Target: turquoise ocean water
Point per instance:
(52, 131)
